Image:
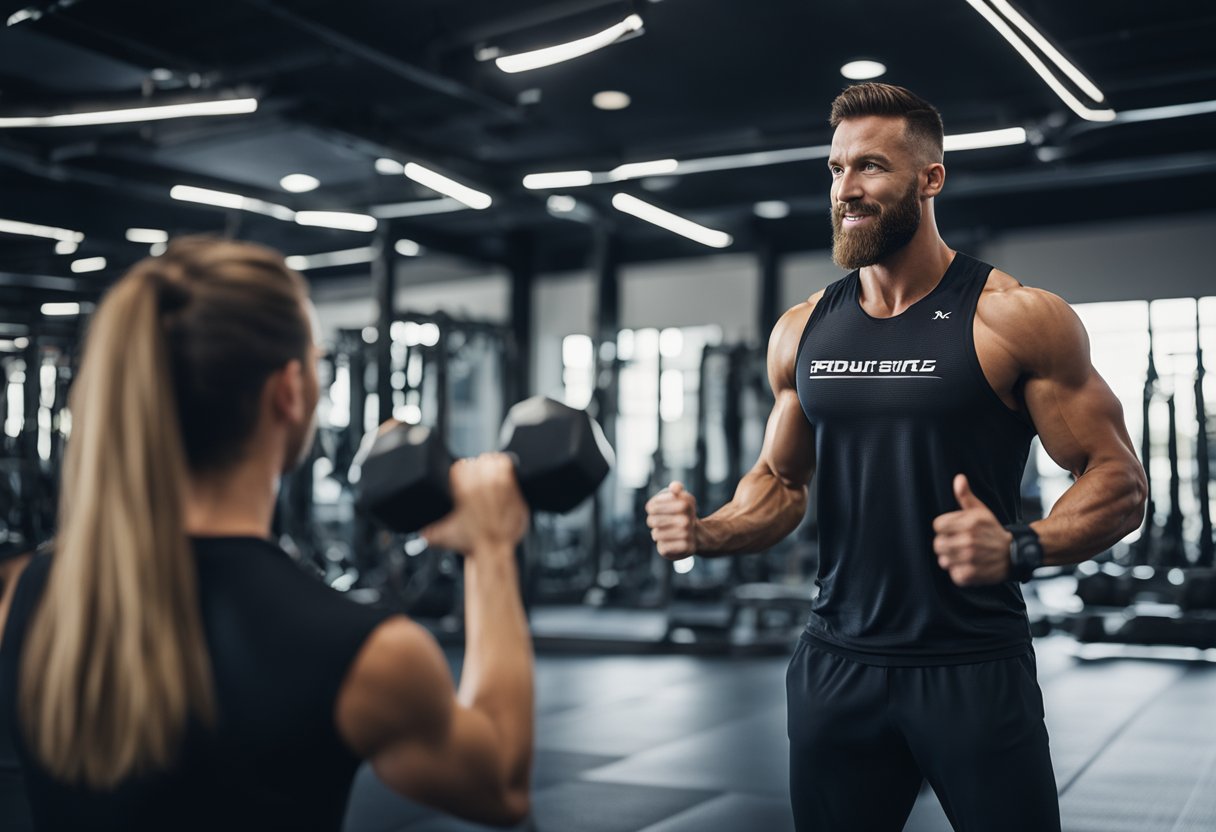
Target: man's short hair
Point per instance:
(923, 121)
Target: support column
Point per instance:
(605, 265)
(769, 263)
(522, 259)
(384, 289)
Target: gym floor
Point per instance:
(688, 744)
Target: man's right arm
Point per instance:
(770, 500)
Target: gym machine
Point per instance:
(1166, 591)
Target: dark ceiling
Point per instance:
(341, 84)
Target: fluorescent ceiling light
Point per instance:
(987, 138)
(565, 51)
(324, 260)
(611, 100)
(772, 209)
(863, 70)
(754, 160)
(59, 309)
(147, 235)
(88, 264)
(66, 247)
(22, 15)
(29, 229)
(157, 249)
(1066, 66)
(389, 167)
(416, 208)
(448, 187)
(222, 199)
(1038, 66)
(407, 248)
(341, 220)
(558, 179)
(1169, 111)
(226, 107)
(672, 222)
(635, 170)
(737, 161)
(299, 183)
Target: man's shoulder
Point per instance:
(1028, 320)
(1005, 301)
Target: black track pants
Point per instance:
(862, 738)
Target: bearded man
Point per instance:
(914, 386)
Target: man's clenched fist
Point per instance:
(672, 517)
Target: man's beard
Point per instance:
(890, 231)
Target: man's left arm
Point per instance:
(1080, 423)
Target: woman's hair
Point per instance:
(115, 664)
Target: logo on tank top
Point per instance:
(894, 368)
(939, 315)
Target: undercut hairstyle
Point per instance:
(922, 121)
(175, 360)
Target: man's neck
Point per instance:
(895, 283)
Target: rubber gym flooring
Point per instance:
(695, 744)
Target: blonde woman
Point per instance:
(167, 666)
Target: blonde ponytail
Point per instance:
(115, 662)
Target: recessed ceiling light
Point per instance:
(611, 100)
(66, 247)
(407, 248)
(389, 167)
(862, 70)
(772, 209)
(88, 264)
(58, 309)
(299, 183)
(147, 235)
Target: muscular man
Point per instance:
(167, 666)
(914, 386)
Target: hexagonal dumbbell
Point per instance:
(560, 453)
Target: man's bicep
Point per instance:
(1079, 419)
(789, 441)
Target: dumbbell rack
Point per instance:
(1145, 606)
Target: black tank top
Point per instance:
(280, 643)
(899, 407)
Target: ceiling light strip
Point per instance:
(986, 138)
(1066, 66)
(671, 222)
(448, 187)
(223, 199)
(417, 208)
(226, 107)
(550, 55)
(29, 229)
(329, 259)
(340, 220)
(1038, 66)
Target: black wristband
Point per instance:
(1025, 552)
